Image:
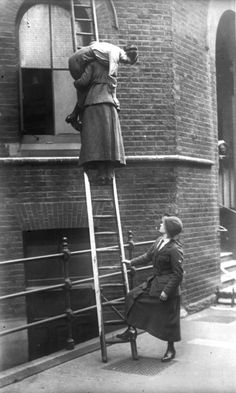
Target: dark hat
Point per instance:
(173, 225)
(130, 48)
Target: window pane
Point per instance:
(62, 44)
(37, 101)
(34, 38)
(64, 100)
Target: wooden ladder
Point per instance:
(78, 12)
(109, 219)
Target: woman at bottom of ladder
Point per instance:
(154, 306)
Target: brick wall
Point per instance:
(166, 108)
(194, 111)
(197, 204)
(9, 109)
(196, 130)
(145, 89)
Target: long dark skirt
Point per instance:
(101, 138)
(159, 318)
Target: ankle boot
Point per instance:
(128, 335)
(170, 353)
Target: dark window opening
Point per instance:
(45, 242)
(50, 337)
(37, 101)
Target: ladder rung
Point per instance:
(102, 200)
(115, 284)
(82, 5)
(106, 233)
(104, 216)
(83, 20)
(115, 322)
(109, 267)
(82, 33)
(116, 341)
(114, 303)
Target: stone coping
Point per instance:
(130, 159)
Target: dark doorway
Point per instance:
(51, 337)
(226, 108)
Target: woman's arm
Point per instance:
(141, 260)
(176, 259)
(145, 258)
(85, 78)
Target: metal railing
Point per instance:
(67, 285)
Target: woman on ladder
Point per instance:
(154, 306)
(101, 140)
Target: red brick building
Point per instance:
(169, 120)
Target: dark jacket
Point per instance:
(95, 78)
(167, 268)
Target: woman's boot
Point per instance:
(170, 352)
(128, 334)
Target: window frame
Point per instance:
(42, 142)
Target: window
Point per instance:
(47, 91)
(48, 338)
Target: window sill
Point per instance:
(45, 146)
(48, 149)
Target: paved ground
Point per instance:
(205, 363)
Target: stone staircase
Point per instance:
(226, 294)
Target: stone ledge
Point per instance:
(132, 159)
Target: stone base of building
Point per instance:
(201, 304)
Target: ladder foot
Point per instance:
(134, 350)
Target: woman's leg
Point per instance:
(131, 332)
(110, 171)
(170, 352)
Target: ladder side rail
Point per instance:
(120, 235)
(133, 343)
(94, 17)
(95, 266)
(73, 25)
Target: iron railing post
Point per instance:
(130, 244)
(70, 344)
(131, 249)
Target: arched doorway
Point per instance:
(226, 111)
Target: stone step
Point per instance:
(228, 266)
(227, 295)
(228, 278)
(225, 256)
